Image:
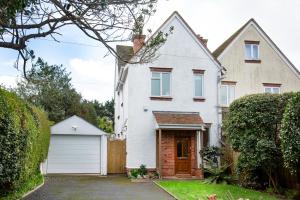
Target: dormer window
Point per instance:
(252, 51)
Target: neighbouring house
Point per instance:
(76, 146)
(254, 64)
(168, 109)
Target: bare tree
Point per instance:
(106, 21)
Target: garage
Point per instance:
(77, 146)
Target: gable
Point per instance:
(75, 126)
(181, 25)
(252, 26)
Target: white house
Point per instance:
(168, 109)
(76, 146)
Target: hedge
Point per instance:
(252, 127)
(290, 135)
(24, 141)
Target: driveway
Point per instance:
(96, 188)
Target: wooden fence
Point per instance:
(116, 156)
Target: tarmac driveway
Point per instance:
(96, 188)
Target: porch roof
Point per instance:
(178, 120)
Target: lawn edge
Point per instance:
(33, 190)
(161, 187)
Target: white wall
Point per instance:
(183, 53)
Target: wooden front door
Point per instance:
(182, 155)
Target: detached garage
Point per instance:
(77, 146)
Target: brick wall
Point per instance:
(168, 153)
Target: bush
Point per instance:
(24, 142)
(134, 173)
(290, 134)
(252, 127)
(142, 170)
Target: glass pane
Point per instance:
(155, 75)
(231, 94)
(198, 85)
(268, 90)
(255, 52)
(166, 84)
(276, 90)
(223, 96)
(185, 149)
(179, 149)
(155, 87)
(248, 51)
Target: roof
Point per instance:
(75, 126)
(125, 53)
(227, 42)
(169, 119)
(129, 53)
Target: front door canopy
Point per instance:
(178, 120)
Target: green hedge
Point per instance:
(24, 141)
(252, 127)
(290, 135)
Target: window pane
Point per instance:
(198, 85)
(248, 51)
(179, 149)
(155, 87)
(155, 75)
(255, 52)
(268, 90)
(223, 96)
(166, 84)
(231, 94)
(276, 90)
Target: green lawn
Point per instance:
(198, 190)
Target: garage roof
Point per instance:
(75, 126)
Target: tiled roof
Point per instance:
(183, 118)
(125, 53)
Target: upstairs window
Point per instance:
(161, 84)
(198, 85)
(198, 81)
(272, 88)
(227, 93)
(252, 50)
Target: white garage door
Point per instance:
(74, 154)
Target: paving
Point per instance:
(96, 188)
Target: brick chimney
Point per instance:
(138, 42)
(204, 41)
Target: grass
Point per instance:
(199, 190)
(30, 185)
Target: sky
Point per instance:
(92, 71)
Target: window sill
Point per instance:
(252, 61)
(199, 99)
(161, 98)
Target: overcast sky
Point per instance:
(93, 74)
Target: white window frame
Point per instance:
(227, 92)
(198, 74)
(160, 80)
(272, 89)
(251, 51)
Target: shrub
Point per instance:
(24, 139)
(252, 127)
(290, 134)
(134, 173)
(142, 170)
